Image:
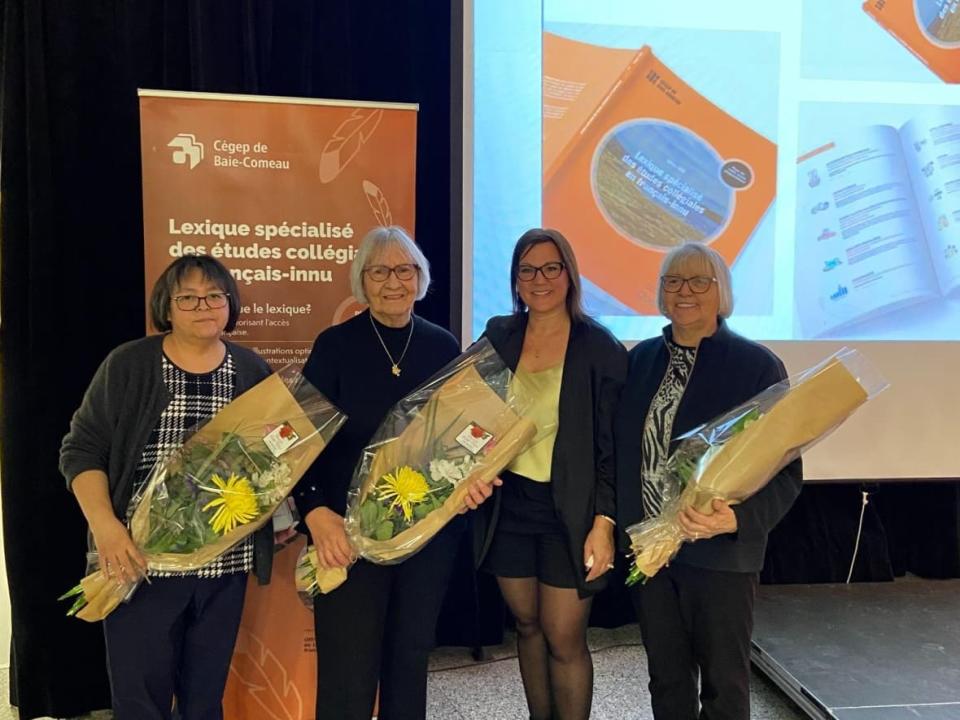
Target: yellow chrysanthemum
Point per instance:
(236, 503)
(406, 487)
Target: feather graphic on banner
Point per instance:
(265, 679)
(346, 142)
(378, 203)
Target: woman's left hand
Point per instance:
(478, 493)
(698, 526)
(598, 550)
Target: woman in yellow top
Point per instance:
(549, 534)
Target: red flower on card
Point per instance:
(477, 431)
(286, 431)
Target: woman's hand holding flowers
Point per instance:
(330, 538)
(699, 526)
(478, 493)
(119, 558)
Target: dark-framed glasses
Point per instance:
(380, 273)
(550, 270)
(698, 283)
(214, 301)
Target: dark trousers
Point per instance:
(697, 621)
(380, 626)
(175, 638)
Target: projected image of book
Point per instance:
(930, 29)
(636, 162)
(878, 222)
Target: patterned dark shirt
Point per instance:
(193, 399)
(658, 427)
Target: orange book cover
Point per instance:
(653, 164)
(930, 29)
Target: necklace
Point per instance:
(394, 364)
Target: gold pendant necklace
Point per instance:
(394, 364)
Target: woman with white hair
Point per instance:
(696, 614)
(379, 625)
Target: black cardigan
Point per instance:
(582, 474)
(728, 370)
(120, 409)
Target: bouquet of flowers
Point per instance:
(737, 454)
(462, 425)
(221, 485)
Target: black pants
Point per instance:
(696, 621)
(175, 638)
(380, 626)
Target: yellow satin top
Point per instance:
(543, 388)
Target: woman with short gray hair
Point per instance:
(696, 614)
(379, 625)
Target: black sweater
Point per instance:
(120, 409)
(728, 370)
(350, 367)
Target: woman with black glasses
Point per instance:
(696, 614)
(378, 626)
(174, 639)
(549, 536)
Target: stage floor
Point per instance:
(865, 651)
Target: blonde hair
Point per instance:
(694, 254)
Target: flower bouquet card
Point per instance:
(222, 484)
(463, 425)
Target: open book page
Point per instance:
(860, 247)
(656, 165)
(931, 147)
(930, 29)
(576, 79)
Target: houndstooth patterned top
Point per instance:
(193, 399)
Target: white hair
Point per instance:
(374, 244)
(692, 255)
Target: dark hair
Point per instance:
(536, 236)
(213, 270)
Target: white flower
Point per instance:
(453, 471)
(273, 483)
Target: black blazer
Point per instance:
(728, 370)
(583, 469)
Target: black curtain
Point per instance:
(71, 262)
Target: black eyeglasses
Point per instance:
(214, 301)
(380, 273)
(550, 270)
(698, 283)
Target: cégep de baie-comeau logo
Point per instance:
(186, 150)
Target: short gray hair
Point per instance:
(376, 242)
(696, 254)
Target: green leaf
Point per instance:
(740, 425)
(72, 592)
(384, 531)
(369, 516)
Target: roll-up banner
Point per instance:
(281, 190)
